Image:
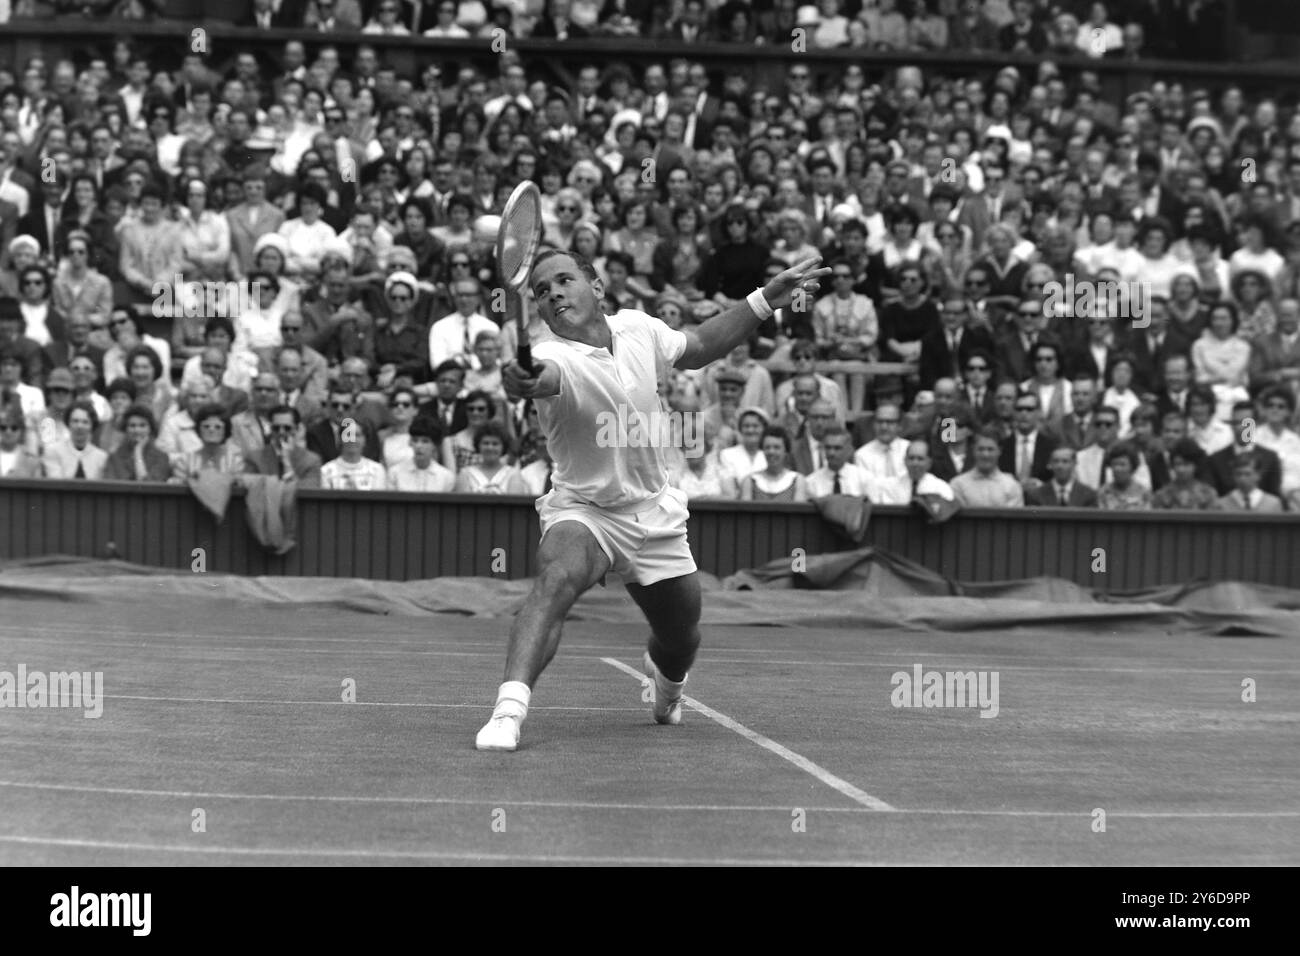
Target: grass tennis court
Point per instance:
(237, 710)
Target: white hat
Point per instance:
(274, 241)
(808, 16)
(31, 243)
(402, 278)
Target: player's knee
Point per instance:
(559, 585)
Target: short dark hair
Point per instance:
(213, 410)
(286, 410)
(148, 353)
(584, 266)
(426, 427)
(86, 407)
(219, 322)
(492, 430)
(142, 411)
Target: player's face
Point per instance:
(565, 297)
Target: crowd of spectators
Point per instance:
(342, 213)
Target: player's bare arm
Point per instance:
(722, 333)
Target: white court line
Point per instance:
(637, 807)
(785, 753)
(425, 855)
(340, 703)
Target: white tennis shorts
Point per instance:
(647, 545)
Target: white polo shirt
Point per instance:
(597, 460)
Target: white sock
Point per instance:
(512, 700)
(669, 689)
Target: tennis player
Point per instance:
(611, 508)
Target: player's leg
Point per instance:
(672, 607)
(571, 562)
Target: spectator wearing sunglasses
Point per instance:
(325, 438)
(15, 460)
(283, 455)
(385, 21)
(401, 346)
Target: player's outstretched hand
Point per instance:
(517, 383)
(802, 275)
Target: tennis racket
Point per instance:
(517, 242)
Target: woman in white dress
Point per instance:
(1120, 394)
(743, 459)
(492, 476)
(397, 437)
(776, 482)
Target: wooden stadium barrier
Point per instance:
(396, 536)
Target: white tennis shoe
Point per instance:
(666, 710)
(499, 733)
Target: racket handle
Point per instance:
(524, 356)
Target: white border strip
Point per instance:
(785, 753)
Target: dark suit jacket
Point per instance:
(320, 439)
(1268, 357)
(1149, 373)
(545, 29)
(986, 408)
(305, 465)
(936, 357)
(1014, 363)
(1165, 404)
(942, 465)
(1081, 496)
(59, 354)
(1161, 473)
(459, 419)
(33, 224)
(1270, 476)
(1043, 449)
(1075, 434)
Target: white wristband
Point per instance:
(759, 304)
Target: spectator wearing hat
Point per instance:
(47, 427)
(24, 251)
(758, 381)
(401, 346)
(151, 247)
(719, 419)
(746, 456)
(76, 456)
(15, 460)
(307, 234)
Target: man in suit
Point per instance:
(60, 352)
(946, 350)
(288, 370)
(1015, 347)
(1275, 357)
(1091, 465)
(251, 429)
(1223, 463)
(263, 15)
(325, 438)
(284, 455)
(1152, 346)
(1077, 429)
(978, 390)
(807, 446)
(1178, 381)
(447, 407)
(1247, 495)
(950, 445)
(1027, 451)
(556, 25)
(8, 222)
(42, 220)
(1063, 491)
